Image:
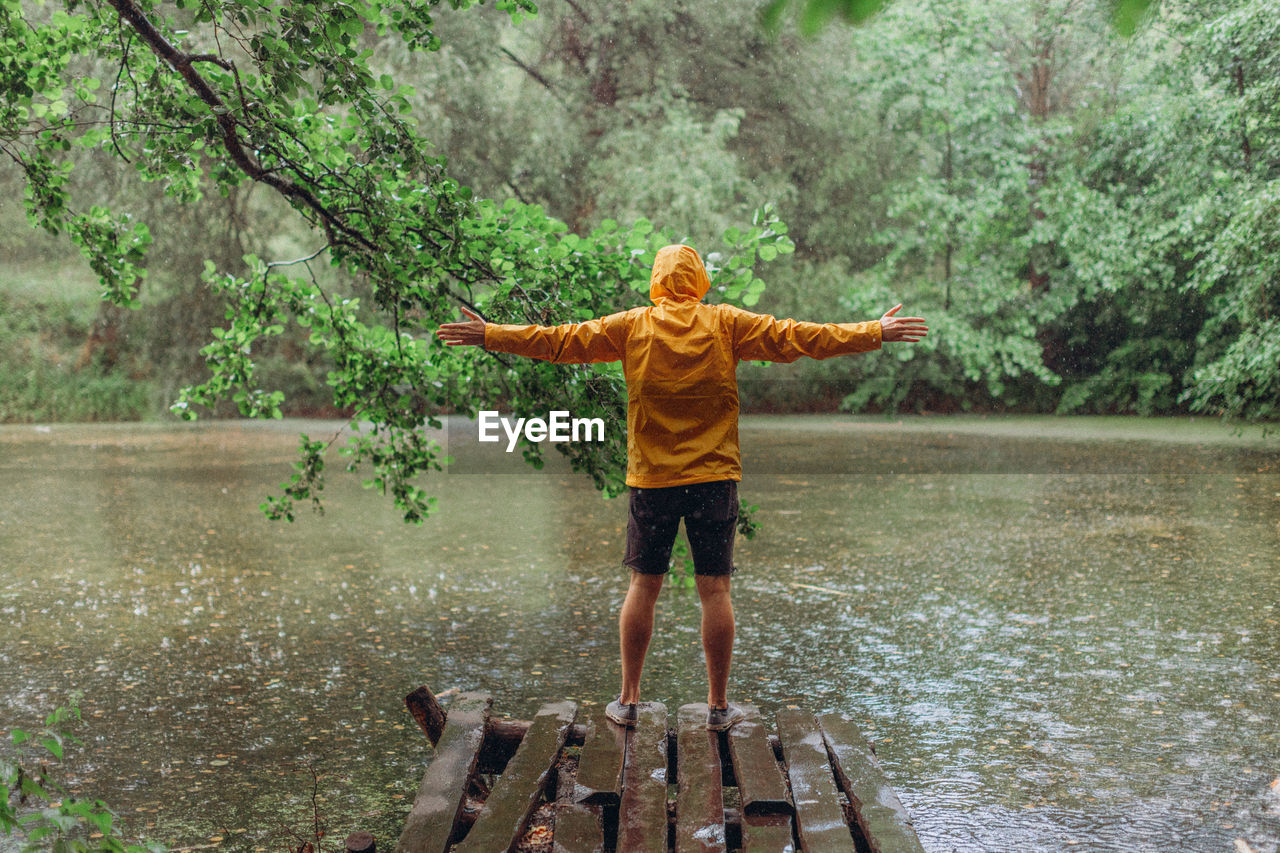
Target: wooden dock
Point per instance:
(570, 781)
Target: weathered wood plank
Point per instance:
(503, 737)
(820, 823)
(767, 834)
(361, 841)
(426, 710)
(600, 763)
(885, 824)
(760, 783)
(516, 794)
(642, 821)
(578, 829)
(699, 797)
(429, 825)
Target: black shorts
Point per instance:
(710, 513)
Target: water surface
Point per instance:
(1060, 634)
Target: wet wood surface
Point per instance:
(426, 710)
(361, 842)
(510, 804)
(760, 784)
(699, 797)
(503, 737)
(436, 809)
(578, 829)
(642, 818)
(612, 792)
(768, 834)
(599, 780)
(879, 813)
(820, 822)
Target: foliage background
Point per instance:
(1088, 220)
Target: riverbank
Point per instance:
(1180, 429)
(68, 357)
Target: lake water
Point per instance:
(1060, 634)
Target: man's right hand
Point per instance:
(468, 334)
(901, 329)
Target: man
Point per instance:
(679, 357)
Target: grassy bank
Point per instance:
(47, 373)
(66, 357)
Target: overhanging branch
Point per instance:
(184, 64)
(338, 229)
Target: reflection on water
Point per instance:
(1060, 634)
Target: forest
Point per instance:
(266, 208)
(243, 207)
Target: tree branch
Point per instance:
(532, 72)
(581, 12)
(183, 64)
(124, 63)
(337, 229)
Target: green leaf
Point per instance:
(817, 14)
(858, 11)
(53, 743)
(101, 820)
(771, 15)
(1126, 15)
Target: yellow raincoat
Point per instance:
(679, 357)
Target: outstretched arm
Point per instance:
(765, 338)
(572, 343)
(467, 334)
(901, 329)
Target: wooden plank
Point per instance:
(578, 829)
(767, 834)
(642, 820)
(429, 826)
(517, 792)
(604, 745)
(885, 824)
(760, 783)
(361, 841)
(820, 823)
(577, 826)
(426, 710)
(699, 797)
(502, 738)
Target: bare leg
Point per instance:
(635, 628)
(717, 635)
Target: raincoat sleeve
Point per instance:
(760, 337)
(603, 339)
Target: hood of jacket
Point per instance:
(678, 273)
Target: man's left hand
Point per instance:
(901, 329)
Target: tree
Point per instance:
(289, 96)
(1168, 223)
(958, 200)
